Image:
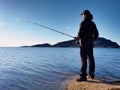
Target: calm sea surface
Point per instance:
(48, 68)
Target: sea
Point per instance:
(31, 68)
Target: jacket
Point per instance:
(88, 33)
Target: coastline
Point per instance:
(91, 84)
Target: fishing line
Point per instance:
(46, 27)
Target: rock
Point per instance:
(92, 84)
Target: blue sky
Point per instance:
(63, 15)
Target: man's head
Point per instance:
(86, 14)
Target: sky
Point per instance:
(62, 15)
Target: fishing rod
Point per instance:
(46, 27)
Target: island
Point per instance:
(99, 43)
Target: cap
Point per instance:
(86, 12)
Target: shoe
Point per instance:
(92, 77)
(81, 79)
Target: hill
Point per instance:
(99, 42)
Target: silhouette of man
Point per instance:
(87, 34)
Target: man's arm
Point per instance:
(81, 30)
(95, 33)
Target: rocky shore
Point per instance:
(93, 84)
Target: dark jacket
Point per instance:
(87, 33)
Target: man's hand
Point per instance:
(77, 39)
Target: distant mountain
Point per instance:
(70, 43)
(42, 45)
(102, 42)
(99, 42)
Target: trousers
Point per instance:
(86, 53)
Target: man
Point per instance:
(87, 34)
